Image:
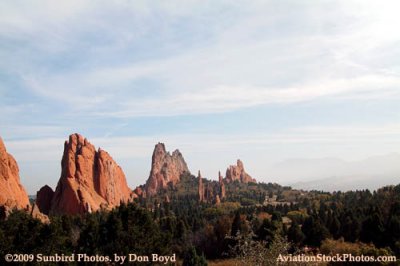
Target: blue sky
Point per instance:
(263, 81)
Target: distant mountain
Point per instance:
(346, 183)
(332, 174)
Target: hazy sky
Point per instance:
(258, 80)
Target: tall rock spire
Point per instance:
(222, 192)
(237, 172)
(200, 188)
(165, 168)
(89, 180)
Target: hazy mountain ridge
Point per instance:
(332, 174)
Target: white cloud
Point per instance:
(124, 59)
(141, 146)
(230, 98)
(32, 131)
(271, 53)
(35, 150)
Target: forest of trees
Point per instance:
(359, 222)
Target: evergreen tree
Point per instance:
(267, 230)
(236, 224)
(295, 234)
(191, 258)
(373, 230)
(334, 227)
(314, 231)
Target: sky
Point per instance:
(263, 81)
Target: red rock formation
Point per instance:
(222, 190)
(12, 193)
(139, 192)
(36, 213)
(200, 188)
(209, 193)
(220, 178)
(217, 200)
(111, 182)
(89, 180)
(43, 199)
(166, 199)
(237, 172)
(165, 169)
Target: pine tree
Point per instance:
(191, 258)
(295, 234)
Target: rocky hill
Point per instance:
(166, 169)
(237, 172)
(90, 180)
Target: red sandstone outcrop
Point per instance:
(200, 188)
(89, 180)
(165, 169)
(217, 200)
(209, 192)
(237, 172)
(139, 192)
(12, 193)
(36, 213)
(166, 199)
(43, 199)
(222, 190)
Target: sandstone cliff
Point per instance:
(200, 188)
(89, 180)
(12, 193)
(237, 172)
(166, 169)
